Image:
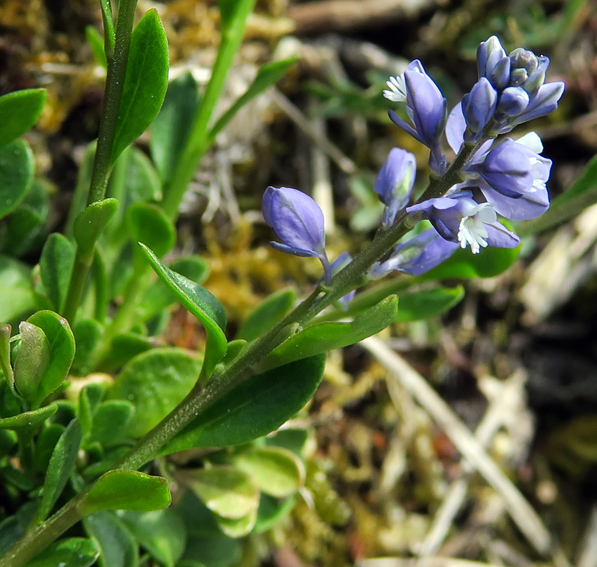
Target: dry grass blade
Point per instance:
(520, 510)
(490, 424)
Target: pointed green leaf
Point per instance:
(5, 364)
(162, 533)
(29, 419)
(225, 490)
(90, 224)
(31, 361)
(274, 470)
(145, 82)
(254, 408)
(109, 35)
(171, 128)
(202, 304)
(55, 267)
(159, 297)
(116, 543)
(267, 314)
(126, 490)
(149, 224)
(233, 14)
(62, 351)
(72, 552)
(16, 175)
(60, 468)
(155, 382)
(45, 444)
(267, 76)
(19, 111)
(90, 397)
(96, 42)
(417, 305)
(322, 337)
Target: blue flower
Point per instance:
(478, 108)
(425, 106)
(519, 79)
(513, 176)
(395, 182)
(459, 218)
(493, 62)
(417, 255)
(297, 221)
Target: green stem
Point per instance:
(101, 165)
(198, 141)
(113, 95)
(35, 540)
(76, 286)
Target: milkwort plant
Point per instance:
(78, 449)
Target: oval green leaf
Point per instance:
(72, 552)
(16, 175)
(417, 305)
(62, 352)
(155, 382)
(19, 111)
(16, 293)
(238, 527)
(490, 262)
(162, 533)
(254, 408)
(126, 490)
(25, 228)
(110, 422)
(274, 470)
(267, 314)
(145, 82)
(323, 337)
(31, 361)
(201, 303)
(90, 224)
(149, 224)
(226, 491)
